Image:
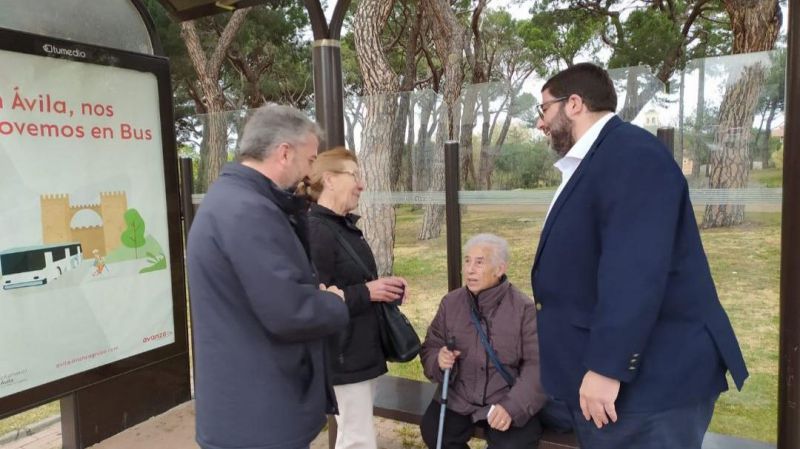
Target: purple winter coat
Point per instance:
(509, 319)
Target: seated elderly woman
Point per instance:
(503, 399)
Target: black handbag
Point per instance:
(399, 340)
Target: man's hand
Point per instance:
(597, 396)
(333, 289)
(447, 358)
(498, 418)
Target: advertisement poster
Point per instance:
(84, 248)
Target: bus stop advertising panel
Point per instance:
(88, 239)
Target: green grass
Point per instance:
(770, 177)
(745, 262)
(25, 419)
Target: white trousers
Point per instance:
(354, 421)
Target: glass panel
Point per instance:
(732, 157)
(508, 181)
(109, 23)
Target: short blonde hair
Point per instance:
(329, 161)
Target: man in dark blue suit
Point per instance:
(632, 335)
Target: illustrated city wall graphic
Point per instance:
(96, 235)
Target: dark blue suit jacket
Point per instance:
(624, 285)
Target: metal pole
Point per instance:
(667, 136)
(328, 91)
(789, 372)
(327, 61)
(451, 346)
(187, 186)
(452, 214)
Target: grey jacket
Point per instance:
(258, 317)
(509, 319)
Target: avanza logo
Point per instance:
(51, 49)
(157, 336)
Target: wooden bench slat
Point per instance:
(406, 400)
(402, 399)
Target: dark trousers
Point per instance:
(459, 428)
(682, 427)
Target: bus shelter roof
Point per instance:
(193, 9)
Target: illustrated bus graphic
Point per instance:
(38, 265)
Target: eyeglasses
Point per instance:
(540, 108)
(355, 174)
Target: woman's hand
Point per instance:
(447, 358)
(498, 418)
(387, 289)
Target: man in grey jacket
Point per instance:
(259, 316)
(504, 398)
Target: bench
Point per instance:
(406, 400)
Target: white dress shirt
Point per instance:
(570, 162)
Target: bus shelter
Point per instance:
(117, 389)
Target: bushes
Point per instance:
(525, 165)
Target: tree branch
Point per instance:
(225, 40)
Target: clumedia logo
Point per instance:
(63, 51)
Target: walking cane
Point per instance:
(451, 346)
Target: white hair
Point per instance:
(499, 246)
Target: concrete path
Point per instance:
(175, 430)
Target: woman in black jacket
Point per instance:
(355, 357)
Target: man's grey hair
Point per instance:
(499, 245)
(272, 125)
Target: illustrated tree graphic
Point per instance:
(133, 235)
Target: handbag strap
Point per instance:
(347, 247)
(489, 349)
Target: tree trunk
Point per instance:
(410, 145)
(375, 158)
(636, 98)
(765, 156)
(398, 141)
(351, 121)
(755, 26)
(487, 152)
(201, 185)
(475, 55)
(380, 86)
(448, 36)
(468, 113)
(216, 140)
(209, 69)
(699, 117)
(433, 214)
(420, 175)
(406, 88)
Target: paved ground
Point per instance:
(48, 437)
(175, 430)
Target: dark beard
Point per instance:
(561, 142)
(561, 139)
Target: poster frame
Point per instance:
(37, 45)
